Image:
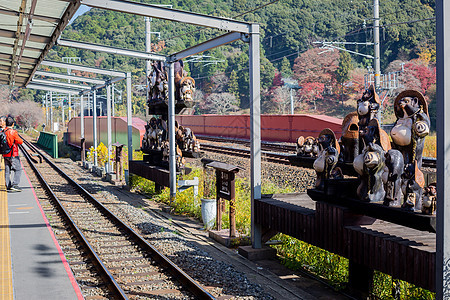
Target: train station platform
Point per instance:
(32, 264)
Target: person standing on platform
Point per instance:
(12, 160)
(2, 128)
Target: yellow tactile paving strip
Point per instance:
(6, 288)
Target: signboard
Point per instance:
(225, 184)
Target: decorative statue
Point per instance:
(373, 134)
(412, 125)
(158, 84)
(308, 146)
(328, 157)
(392, 177)
(155, 134)
(159, 88)
(370, 164)
(179, 159)
(186, 139)
(413, 183)
(186, 89)
(367, 107)
(429, 199)
(350, 137)
(191, 143)
(408, 136)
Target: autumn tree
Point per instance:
(314, 71)
(418, 75)
(27, 114)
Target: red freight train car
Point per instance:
(275, 128)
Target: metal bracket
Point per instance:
(245, 37)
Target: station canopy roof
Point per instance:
(28, 30)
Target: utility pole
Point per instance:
(376, 41)
(148, 44)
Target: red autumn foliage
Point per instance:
(418, 73)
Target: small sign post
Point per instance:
(119, 168)
(225, 187)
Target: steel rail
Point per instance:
(279, 158)
(95, 259)
(194, 287)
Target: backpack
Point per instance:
(4, 147)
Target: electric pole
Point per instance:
(148, 43)
(376, 41)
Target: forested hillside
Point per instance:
(289, 28)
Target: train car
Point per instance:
(274, 128)
(119, 128)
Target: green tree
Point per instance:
(343, 71)
(285, 68)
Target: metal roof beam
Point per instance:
(30, 60)
(51, 88)
(37, 17)
(69, 77)
(112, 50)
(33, 37)
(164, 13)
(100, 86)
(83, 68)
(68, 14)
(60, 84)
(208, 45)
(26, 47)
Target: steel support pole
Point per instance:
(70, 99)
(171, 125)
(51, 112)
(70, 108)
(443, 149)
(46, 110)
(94, 126)
(148, 43)
(112, 96)
(376, 42)
(255, 131)
(82, 136)
(129, 121)
(62, 111)
(108, 116)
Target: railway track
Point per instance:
(279, 158)
(278, 148)
(126, 265)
